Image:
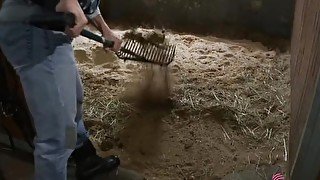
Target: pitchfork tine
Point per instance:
(140, 48)
(144, 50)
(164, 55)
(152, 53)
(136, 48)
(131, 46)
(155, 55)
(161, 56)
(149, 51)
(167, 53)
(174, 51)
(124, 47)
(167, 50)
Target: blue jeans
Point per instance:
(45, 63)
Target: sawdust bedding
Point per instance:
(227, 108)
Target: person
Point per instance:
(45, 63)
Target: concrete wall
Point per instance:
(272, 17)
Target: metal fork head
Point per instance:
(147, 52)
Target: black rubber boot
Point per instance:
(89, 164)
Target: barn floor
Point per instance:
(14, 165)
(18, 165)
(224, 109)
(227, 108)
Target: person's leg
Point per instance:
(52, 102)
(82, 133)
(47, 71)
(88, 163)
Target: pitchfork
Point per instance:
(131, 49)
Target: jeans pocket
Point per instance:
(15, 42)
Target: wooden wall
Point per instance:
(305, 64)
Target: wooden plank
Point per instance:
(307, 164)
(305, 64)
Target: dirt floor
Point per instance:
(227, 107)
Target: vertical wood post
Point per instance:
(305, 92)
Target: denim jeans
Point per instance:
(45, 63)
